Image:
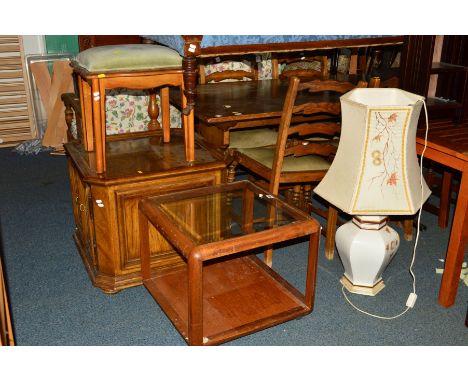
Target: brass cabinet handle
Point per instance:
(82, 207)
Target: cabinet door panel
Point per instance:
(127, 199)
(82, 212)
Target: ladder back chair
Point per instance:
(283, 67)
(304, 151)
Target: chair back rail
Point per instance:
(300, 65)
(325, 128)
(301, 148)
(248, 68)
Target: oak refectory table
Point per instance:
(190, 47)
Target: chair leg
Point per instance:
(231, 172)
(288, 195)
(430, 177)
(296, 195)
(331, 231)
(408, 229)
(268, 256)
(307, 194)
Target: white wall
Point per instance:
(34, 44)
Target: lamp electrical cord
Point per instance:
(417, 234)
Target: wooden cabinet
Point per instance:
(105, 206)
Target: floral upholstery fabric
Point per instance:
(127, 111)
(306, 65)
(264, 66)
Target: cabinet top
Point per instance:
(144, 157)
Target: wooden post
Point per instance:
(96, 97)
(195, 300)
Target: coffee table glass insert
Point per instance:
(223, 290)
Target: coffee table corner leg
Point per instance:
(195, 300)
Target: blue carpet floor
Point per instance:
(54, 303)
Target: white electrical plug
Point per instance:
(411, 300)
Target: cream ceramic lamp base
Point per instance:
(366, 244)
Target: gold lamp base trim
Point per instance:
(359, 289)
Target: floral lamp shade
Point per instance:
(376, 170)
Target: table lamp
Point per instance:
(375, 174)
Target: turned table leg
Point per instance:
(153, 111)
(189, 64)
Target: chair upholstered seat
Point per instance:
(265, 155)
(246, 139)
(335, 141)
(128, 57)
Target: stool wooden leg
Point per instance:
(86, 114)
(97, 125)
(153, 111)
(102, 92)
(166, 114)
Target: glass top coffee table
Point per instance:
(223, 290)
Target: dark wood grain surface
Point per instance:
(245, 100)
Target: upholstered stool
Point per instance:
(132, 66)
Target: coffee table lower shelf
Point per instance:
(241, 295)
